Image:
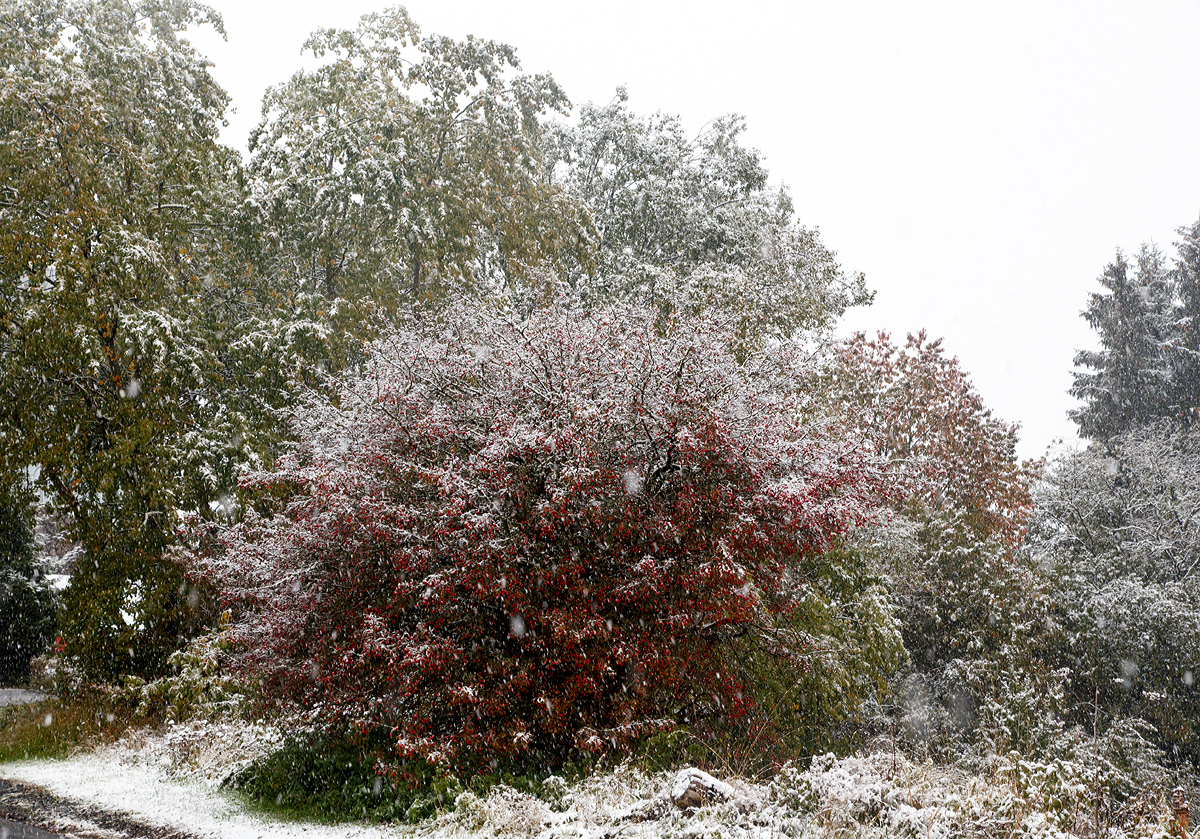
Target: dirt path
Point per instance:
(16, 830)
(41, 815)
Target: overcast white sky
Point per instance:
(981, 163)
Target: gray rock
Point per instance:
(16, 696)
(693, 788)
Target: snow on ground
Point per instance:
(171, 778)
(143, 792)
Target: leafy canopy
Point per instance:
(973, 611)
(403, 168)
(694, 225)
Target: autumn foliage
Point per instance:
(926, 416)
(535, 537)
(965, 598)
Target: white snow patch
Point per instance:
(145, 793)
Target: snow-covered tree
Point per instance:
(536, 537)
(694, 224)
(1148, 321)
(1119, 530)
(402, 168)
(926, 416)
(969, 605)
(1183, 347)
(1132, 382)
(111, 200)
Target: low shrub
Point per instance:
(336, 778)
(198, 685)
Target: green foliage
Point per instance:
(969, 603)
(197, 685)
(401, 170)
(27, 603)
(334, 778)
(850, 639)
(109, 218)
(673, 748)
(1090, 784)
(128, 614)
(791, 787)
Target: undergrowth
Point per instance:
(332, 778)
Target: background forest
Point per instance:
(467, 439)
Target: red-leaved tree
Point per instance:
(975, 611)
(926, 416)
(537, 536)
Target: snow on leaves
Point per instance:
(476, 479)
(692, 224)
(927, 416)
(404, 167)
(1119, 529)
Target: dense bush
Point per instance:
(334, 778)
(542, 538)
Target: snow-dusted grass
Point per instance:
(172, 778)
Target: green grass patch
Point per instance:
(54, 728)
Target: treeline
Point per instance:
(482, 436)
(168, 304)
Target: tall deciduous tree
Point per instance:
(970, 607)
(113, 189)
(544, 536)
(695, 224)
(403, 168)
(925, 414)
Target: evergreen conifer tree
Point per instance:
(1146, 368)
